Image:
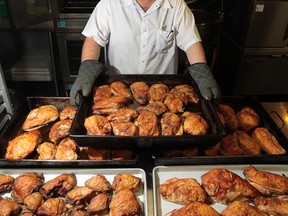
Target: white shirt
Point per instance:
(140, 42)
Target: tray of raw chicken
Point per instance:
(144, 111)
(216, 190)
(38, 135)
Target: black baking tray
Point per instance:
(14, 128)
(79, 133)
(236, 102)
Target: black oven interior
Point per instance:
(77, 6)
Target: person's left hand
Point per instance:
(205, 80)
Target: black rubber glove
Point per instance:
(205, 80)
(88, 72)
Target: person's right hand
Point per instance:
(88, 72)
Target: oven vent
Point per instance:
(77, 6)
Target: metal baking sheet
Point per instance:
(163, 173)
(79, 133)
(84, 174)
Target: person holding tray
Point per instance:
(142, 37)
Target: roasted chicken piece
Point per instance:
(126, 181)
(189, 92)
(58, 186)
(26, 212)
(60, 130)
(195, 209)
(182, 191)
(23, 145)
(229, 146)
(237, 208)
(225, 186)
(101, 93)
(111, 104)
(247, 143)
(221, 118)
(80, 195)
(181, 152)
(67, 150)
(171, 124)
(229, 116)
(158, 92)
(124, 129)
(267, 141)
(119, 88)
(174, 103)
(99, 183)
(25, 184)
(195, 124)
(97, 125)
(266, 182)
(147, 124)
(6, 182)
(275, 205)
(247, 119)
(99, 205)
(98, 154)
(40, 117)
(119, 154)
(123, 115)
(68, 113)
(52, 206)
(78, 211)
(46, 151)
(33, 201)
(156, 107)
(124, 202)
(212, 150)
(9, 207)
(140, 92)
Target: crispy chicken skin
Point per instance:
(182, 191)
(78, 211)
(174, 103)
(99, 205)
(247, 143)
(171, 124)
(147, 124)
(119, 88)
(101, 93)
(9, 208)
(33, 201)
(195, 209)
(156, 107)
(123, 115)
(79, 195)
(68, 113)
(60, 130)
(124, 129)
(229, 145)
(67, 150)
(124, 202)
(52, 206)
(189, 92)
(242, 209)
(23, 145)
(267, 141)
(266, 182)
(229, 116)
(140, 92)
(6, 182)
(126, 181)
(46, 151)
(25, 184)
(158, 92)
(97, 125)
(247, 119)
(195, 124)
(225, 186)
(99, 183)
(276, 205)
(111, 104)
(40, 117)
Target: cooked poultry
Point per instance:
(267, 141)
(99, 205)
(171, 124)
(25, 184)
(52, 206)
(242, 209)
(23, 145)
(97, 125)
(6, 182)
(9, 208)
(119, 88)
(124, 129)
(124, 202)
(174, 103)
(147, 124)
(102, 92)
(68, 113)
(46, 151)
(78, 211)
(59, 185)
(212, 150)
(156, 107)
(181, 152)
(123, 115)
(119, 154)
(158, 92)
(189, 92)
(33, 201)
(195, 209)
(140, 91)
(247, 143)
(247, 119)
(67, 150)
(276, 205)
(26, 212)
(40, 117)
(229, 116)
(195, 124)
(229, 146)
(99, 183)
(60, 130)
(109, 105)
(126, 181)
(79, 195)
(182, 190)
(98, 154)
(221, 118)
(266, 182)
(225, 186)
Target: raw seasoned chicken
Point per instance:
(119, 88)
(147, 124)
(102, 92)
(158, 92)
(124, 129)
(23, 145)
(195, 124)
(109, 105)
(99, 183)
(189, 92)
(182, 191)
(171, 124)
(60, 130)
(99, 205)
(126, 181)
(140, 91)
(33, 201)
(242, 209)
(247, 143)
(275, 205)
(266, 182)
(79, 195)
(229, 146)
(67, 150)
(267, 141)
(40, 117)
(6, 182)
(195, 209)
(174, 103)
(9, 207)
(156, 107)
(97, 125)
(68, 113)
(46, 151)
(52, 206)
(229, 116)
(123, 115)
(225, 186)
(248, 119)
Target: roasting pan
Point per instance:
(79, 133)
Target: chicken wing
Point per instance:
(102, 92)
(237, 208)
(67, 150)
(158, 92)
(140, 91)
(276, 205)
(247, 143)
(6, 182)
(171, 124)
(123, 115)
(52, 206)
(156, 107)
(147, 124)
(124, 129)
(99, 183)
(195, 124)
(247, 119)
(97, 125)
(68, 113)
(126, 181)
(9, 207)
(46, 151)
(229, 116)
(60, 130)
(109, 105)
(119, 88)
(189, 92)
